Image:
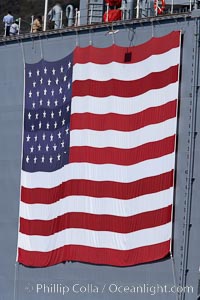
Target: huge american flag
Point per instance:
(97, 177)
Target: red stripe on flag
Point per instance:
(116, 53)
(96, 255)
(124, 89)
(124, 157)
(99, 189)
(97, 222)
(118, 122)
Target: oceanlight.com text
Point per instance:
(149, 289)
(109, 288)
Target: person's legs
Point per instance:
(7, 30)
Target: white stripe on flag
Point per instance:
(104, 172)
(124, 106)
(98, 239)
(98, 206)
(114, 70)
(123, 140)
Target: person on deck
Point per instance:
(14, 28)
(55, 16)
(37, 24)
(8, 20)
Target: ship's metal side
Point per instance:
(19, 282)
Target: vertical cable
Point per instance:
(90, 37)
(41, 48)
(77, 41)
(23, 105)
(15, 281)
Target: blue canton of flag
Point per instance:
(47, 115)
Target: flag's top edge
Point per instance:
(154, 44)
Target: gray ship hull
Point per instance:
(74, 280)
